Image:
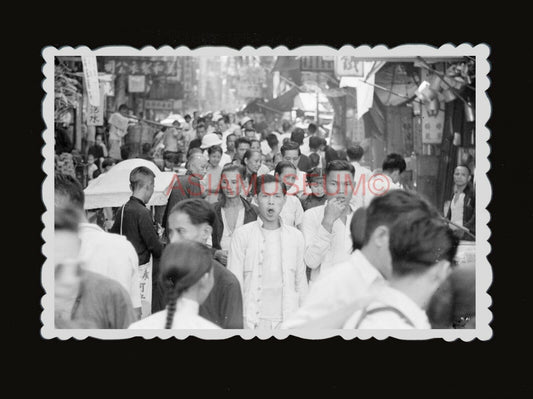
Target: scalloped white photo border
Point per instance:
(481, 52)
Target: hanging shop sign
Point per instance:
(90, 74)
(157, 104)
(95, 114)
(140, 67)
(316, 64)
(136, 83)
(348, 66)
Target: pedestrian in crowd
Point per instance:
(231, 211)
(134, 220)
(297, 136)
(170, 141)
(255, 145)
(362, 176)
(318, 145)
(461, 208)
(188, 185)
(387, 179)
(247, 123)
(118, 128)
(422, 251)
(211, 140)
(187, 274)
(110, 255)
(326, 228)
(314, 158)
(316, 180)
(83, 299)
(213, 172)
(230, 146)
(62, 143)
(193, 220)
(270, 146)
(201, 131)
(267, 258)
(286, 128)
(98, 150)
(268, 161)
(242, 144)
(330, 301)
(250, 134)
(292, 212)
(290, 152)
(312, 130)
(91, 166)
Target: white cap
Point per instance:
(246, 119)
(209, 140)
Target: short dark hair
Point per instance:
(254, 141)
(69, 187)
(355, 153)
(187, 116)
(314, 174)
(201, 125)
(385, 210)
(282, 165)
(230, 135)
(265, 179)
(249, 130)
(248, 154)
(418, 241)
(225, 118)
(199, 210)
(66, 219)
(462, 165)
(394, 162)
(290, 146)
(213, 149)
(339, 165)
(241, 140)
(298, 135)
(312, 128)
(314, 158)
(122, 106)
(138, 176)
(272, 140)
(108, 162)
(315, 142)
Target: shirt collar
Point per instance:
(89, 226)
(368, 271)
(135, 199)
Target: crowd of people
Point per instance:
(263, 229)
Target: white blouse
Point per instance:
(227, 233)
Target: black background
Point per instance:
(428, 367)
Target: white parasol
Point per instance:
(112, 189)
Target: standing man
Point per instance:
(297, 136)
(134, 220)
(290, 152)
(201, 131)
(326, 227)
(230, 145)
(188, 185)
(118, 128)
(267, 258)
(111, 255)
(389, 178)
(242, 144)
(362, 176)
(319, 146)
(193, 219)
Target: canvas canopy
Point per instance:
(112, 189)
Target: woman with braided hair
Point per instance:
(188, 279)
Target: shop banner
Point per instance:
(136, 83)
(90, 73)
(95, 115)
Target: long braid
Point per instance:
(173, 297)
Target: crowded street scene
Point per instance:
(264, 192)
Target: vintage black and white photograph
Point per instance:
(264, 192)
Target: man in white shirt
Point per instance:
(110, 255)
(330, 301)
(387, 179)
(267, 258)
(326, 227)
(422, 248)
(361, 177)
(118, 128)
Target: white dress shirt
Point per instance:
(361, 177)
(113, 256)
(225, 241)
(336, 289)
(246, 259)
(391, 310)
(185, 318)
(322, 248)
(378, 185)
(292, 212)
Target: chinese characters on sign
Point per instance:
(140, 67)
(90, 74)
(348, 66)
(95, 114)
(156, 104)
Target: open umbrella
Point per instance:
(112, 189)
(171, 118)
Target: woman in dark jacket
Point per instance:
(463, 202)
(231, 211)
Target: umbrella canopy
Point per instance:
(171, 118)
(112, 189)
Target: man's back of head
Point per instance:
(68, 192)
(355, 153)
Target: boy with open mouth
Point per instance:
(267, 256)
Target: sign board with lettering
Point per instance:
(90, 74)
(139, 67)
(95, 114)
(158, 104)
(348, 66)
